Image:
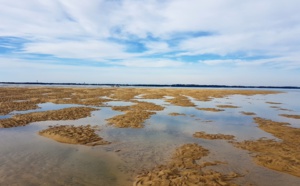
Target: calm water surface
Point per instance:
(29, 159)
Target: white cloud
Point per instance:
(291, 62)
(151, 63)
(13, 69)
(89, 31)
(157, 47)
(87, 49)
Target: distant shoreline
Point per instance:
(150, 85)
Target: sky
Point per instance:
(220, 42)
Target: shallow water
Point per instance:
(42, 108)
(29, 159)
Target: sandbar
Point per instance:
(227, 106)
(135, 115)
(72, 113)
(84, 135)
(248, 113)
(212, 136)
(211, 109)
(176, 114)
(290, 116)
(283, 155)
(183, 169)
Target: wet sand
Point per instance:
(211, 109)
(248, 113)
(227, 106)
(283, 155)
(273, 103)
(131, 119)
(135, 115)
(176, 114)
(180, 100)
(62, 114)
(84, 135)
(212, 136)
(183, 169)
(22, 98)
(188, 164)
(290, 116)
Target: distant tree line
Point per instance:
(150, 85)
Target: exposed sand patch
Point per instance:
(275, 103)
(146, 106)
(290, 116)
(281, 155)
(182, 101)
(284, 109)
(12, 98)
(279, 108)
(7, 107)
(62, 114)
(204, 121)
(212, 136)
(183, 169)
(248, 113)
(24, 98)
(209, 94)
(131, 119)
(121, 108)
(84, 135)
(211, 109)
(94, 96)
(135, 115)
(176, 114)
(227, 106)
(153, 94)
(125, 94)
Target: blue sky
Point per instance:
(229, 42)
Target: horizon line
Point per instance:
(154, 85)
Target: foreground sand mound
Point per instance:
(62, 114)
(213, 136)
(183, 169)
(84, 135)
(281, 155)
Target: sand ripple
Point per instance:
(212, 136)
(84, 135)
(183, 169)
(62, 114)
(281, 155)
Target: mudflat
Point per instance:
(183, 166)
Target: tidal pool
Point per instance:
(29, 159)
